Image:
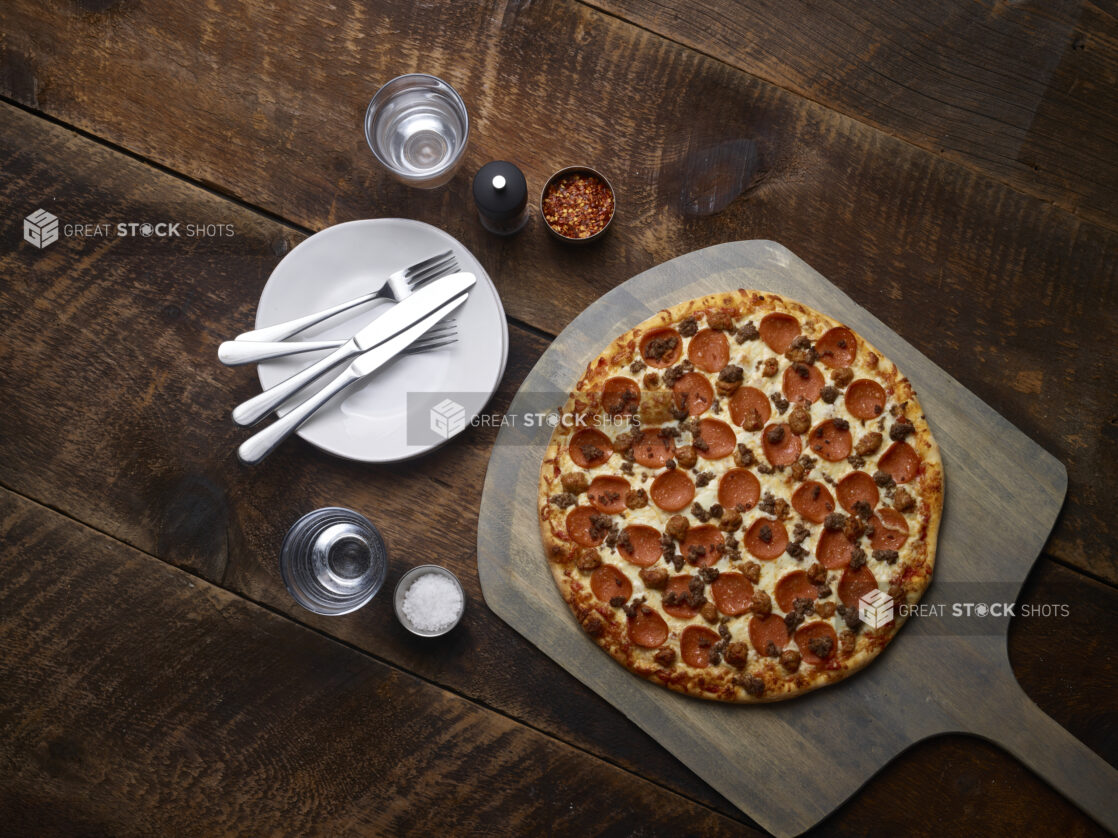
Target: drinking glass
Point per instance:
(417, 127)
(333, 561)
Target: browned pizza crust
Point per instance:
(735, 669)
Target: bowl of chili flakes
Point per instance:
(577, 204)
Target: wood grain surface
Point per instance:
(238, 720)
(123, 453)
(1023, 92)
(122, 421)
(788, 764)
(116, 411)
(1014, 292)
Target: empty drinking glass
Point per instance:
(417, 127)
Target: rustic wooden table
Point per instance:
(953, 170)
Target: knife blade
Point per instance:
(260, 445)
(395, 320)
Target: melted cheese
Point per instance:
(751, 356)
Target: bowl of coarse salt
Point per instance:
(429, 600)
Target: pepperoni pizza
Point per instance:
(728, 481)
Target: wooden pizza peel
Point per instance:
(789, 764)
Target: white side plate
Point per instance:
(369, 422)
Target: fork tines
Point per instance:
(423, 272)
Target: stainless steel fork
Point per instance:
(398, 285)
(234, 353)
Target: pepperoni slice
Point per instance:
(652, 450)
(766, 538)
(658, 350)
(768, 631)
(890, 530)
(834, 549)
(590, 448)
(707, 537)
(793, 586)
(854, 487)
(855, 584)
(672, 490)
(837, 347)
(693, 393)
(830, 442)
(641, 546)
(816, 631)
(647, 628)
(750, 408)
(696, 645)
(607, 493)
(580, 529)
(865, 399)
(732, 593)
(783, 448)
(719, 437)
(739, 488)
(709, 350)
(803, 383)
(813, 501)
(607, 582)
(620, 396)
(778, 331)
(679, 585)
(901, 461)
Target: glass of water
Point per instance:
(417, 127)
(333, 561)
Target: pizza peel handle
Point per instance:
(1009, 718)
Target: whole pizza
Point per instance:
(737, 492)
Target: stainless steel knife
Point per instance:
(395, 320)
(261, 444)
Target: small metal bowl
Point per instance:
(405, 583)
(582, 170)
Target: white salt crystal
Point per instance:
(432, 602)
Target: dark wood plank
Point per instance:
(1079, 688)
(1006, 292)
(141, 447)
(1021, 92)
(956, 785)
(141, 700)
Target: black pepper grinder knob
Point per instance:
(501, 194)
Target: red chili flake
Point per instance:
(578, 206)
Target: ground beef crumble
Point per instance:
(563, 500)
(821, 646)
(747, 331)
(658, 348)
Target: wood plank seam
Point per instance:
(1105, 222)
(1084, 573)
(208, 188)
(212, 190)
(384, 661)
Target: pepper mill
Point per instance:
(501, 194)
